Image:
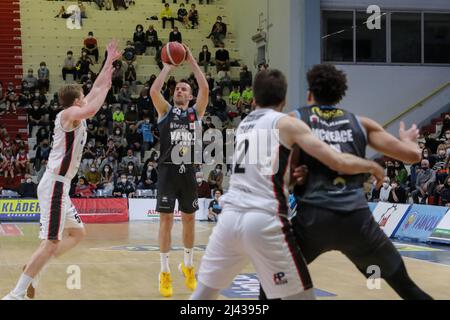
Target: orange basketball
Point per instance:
(173, 53)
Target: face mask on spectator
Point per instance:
(425, 168)
(199, 181)
(105, 107)
(118, 132)
(106, 170)
(130, 168)
(124, 180)
(385, 185)
(42, 67)
(69, 56)
(425, 154)
(36, 107)
(133, 108)
(147, 121)
(29, 180)
(111, 159)
(442, 153)
(218, 170)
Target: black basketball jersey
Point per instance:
(180, 130)
(326, 188)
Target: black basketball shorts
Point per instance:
(177, 182)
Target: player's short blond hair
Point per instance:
(68, 94)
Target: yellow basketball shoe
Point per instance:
(165, 284)
(189, 275)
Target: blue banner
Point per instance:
(19, 210)
(420, 222)
(372, 206)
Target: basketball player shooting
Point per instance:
(177, 180)
(57, 211)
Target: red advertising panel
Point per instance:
(102, 210)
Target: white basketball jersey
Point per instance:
(261, 165)
(67, 149)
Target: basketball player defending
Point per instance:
(254, 226)
(177, 126)
(333, 211)
(57, 212)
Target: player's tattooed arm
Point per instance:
(405, 148)
(203, 92)
(294, 131)
(160, 103)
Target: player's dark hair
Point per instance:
(68, 94)
(327, 84)
(269, 88)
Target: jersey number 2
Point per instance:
(239, 168)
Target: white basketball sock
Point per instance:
(189, 257)
(165, 262)
(22, 285)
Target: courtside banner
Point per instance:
(442, 231)
(145, 209)
(389, 216)
(102, 210)
(420, 222)
(19, 210)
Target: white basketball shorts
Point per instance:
(263, 239)
(57, 210)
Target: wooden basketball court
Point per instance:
(121, 261)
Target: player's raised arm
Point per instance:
(294, 131)
(405, 149)
(161, 104)
(95, 99)
(203, 92)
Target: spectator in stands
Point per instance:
(431, 143)
(149, 176)
(397, 194)
(31, 80)
(89, 155)
(441, 164)
(247, 97)
(183, 15)
(107, 180)
(82, 10)
(91, 46)
(445, 127)
(224, 81)
(425, 180)
(445, 194)
(93, 177)
(102, 136)
(203, 189)
(131, 77)
(193, 16)
(131, 116)
(145, 105)
(214, 208)
(42, 154)
(207, 124)
(123, 188)
(129, 54)
(175, 35)
(27, 189)
(235, 97)
(100, 4)
(166, 15)
(118, 118)
(83, 189)
(22, 162)
(17, 144)
(120, 143)
(43, 77)
(426, 154)
(41, 135)
(69, 66)
(245, 78)
(218, 32)
(62, 13)
(219, 108)
(111, 161)
(35, 116)
(204, 58)
(401, 174)
(385, 190)
(390, 169)
(117, 76)
(134, 138)
(11, 98)
(215, 178)
(124, 96)
(129, 158)
(84, 64)
(139, 40)
(8, 166)
(151, 36)
(145, 128)
(222, 58)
